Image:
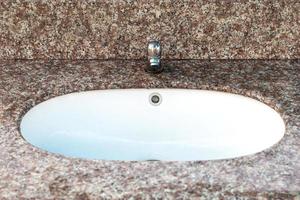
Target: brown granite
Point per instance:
(190, 29)
(27, 172)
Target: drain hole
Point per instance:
(155, 99)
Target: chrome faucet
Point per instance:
(154, 54)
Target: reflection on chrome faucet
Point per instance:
(154, 54)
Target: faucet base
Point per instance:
(154, 69)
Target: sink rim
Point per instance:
(257, 97)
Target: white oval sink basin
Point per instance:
(152, 124)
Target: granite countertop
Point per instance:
(102, 29)
(29, 172)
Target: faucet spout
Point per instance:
(154, 57)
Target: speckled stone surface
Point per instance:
(29, 172)
(101, 29)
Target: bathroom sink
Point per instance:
(152, 124)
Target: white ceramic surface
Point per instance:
(124, 125)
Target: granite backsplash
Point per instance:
(189, 29)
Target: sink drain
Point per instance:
(155, 99)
